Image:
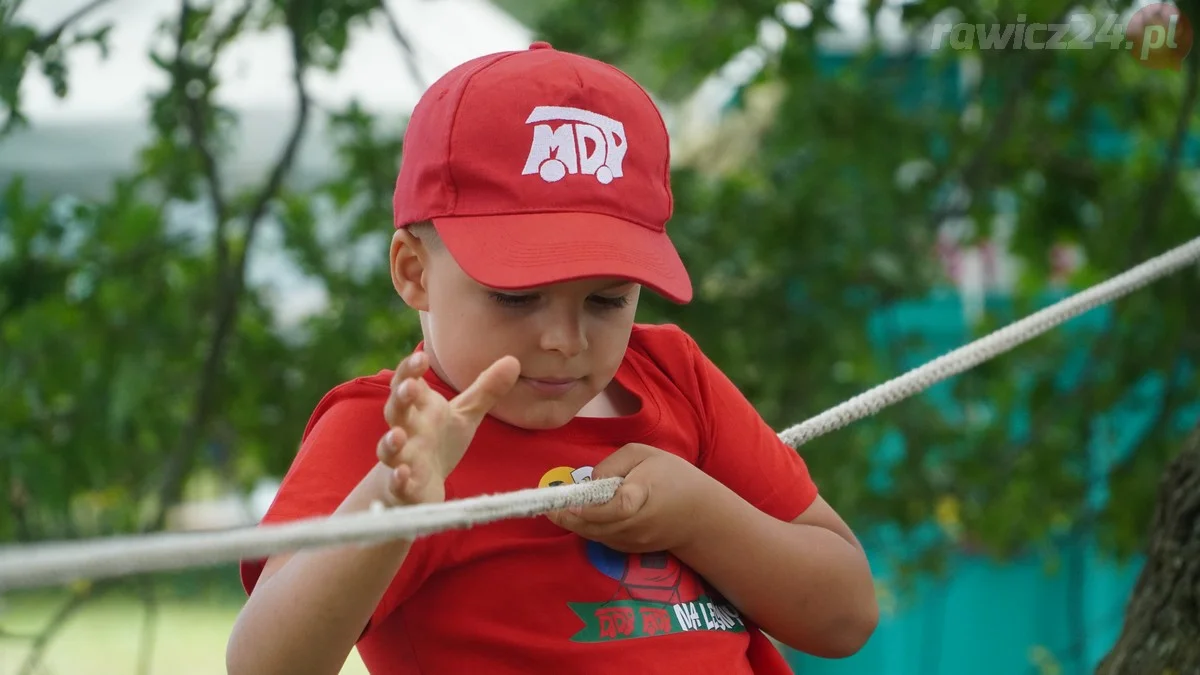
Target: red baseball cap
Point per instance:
(541, 166)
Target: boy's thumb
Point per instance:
(621, 462)
(492, 384)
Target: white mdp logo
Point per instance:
(557, 152)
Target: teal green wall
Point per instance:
(1038, 613)
(985, 617)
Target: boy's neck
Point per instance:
(614, 401)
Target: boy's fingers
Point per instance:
(398, 402)
(621, 462)
(413, 365)
(399, 484)
(627, 501)
(389, 445)
(568, 521)
(411, 394)
(411, 371)
(586, 529)
(421, 393)
(418, 475)
(488, 388)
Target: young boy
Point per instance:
(530, 210)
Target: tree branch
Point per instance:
(11, 13)
(195, 121)
(73, 604)
(406, 46)
(1159, 191)
(184, 72)
(1161, 625)
(149, 621)
(287, 157)
(1170, 403)
(231, 289)
(51, 36)
(974, 171)
(19, 503)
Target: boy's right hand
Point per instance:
(429, 434)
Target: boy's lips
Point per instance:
(551, 385)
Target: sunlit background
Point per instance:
(853, 200)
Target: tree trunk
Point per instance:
(1162, 622)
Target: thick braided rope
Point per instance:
(49, 564)
(964, 358)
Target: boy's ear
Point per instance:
(409, 258)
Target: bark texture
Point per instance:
(1161, 635)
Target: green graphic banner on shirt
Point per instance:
(627, 619)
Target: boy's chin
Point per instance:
(535, 415)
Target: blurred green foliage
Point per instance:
(137, 359)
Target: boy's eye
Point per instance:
(511, 300)
(527, 299)
(610, 303)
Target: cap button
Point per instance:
(540, 45)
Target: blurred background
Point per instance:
(194, 219)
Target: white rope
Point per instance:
(48, 564)
(987, 347)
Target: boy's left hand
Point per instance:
(656, 508)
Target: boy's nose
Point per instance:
(565, 335)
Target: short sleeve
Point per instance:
(743, 452)
(337, 451)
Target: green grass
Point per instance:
(104, 638)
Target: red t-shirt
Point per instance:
(525, 596)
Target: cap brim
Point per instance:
(511, 252)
